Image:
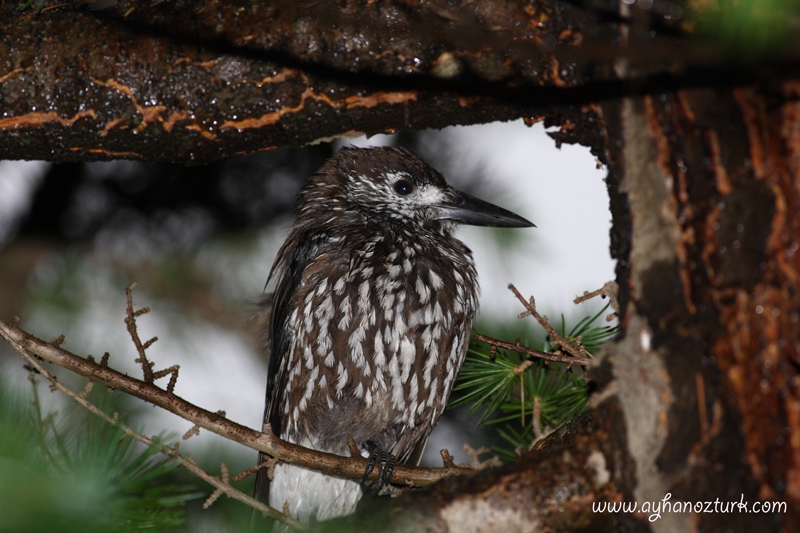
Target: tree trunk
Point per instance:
(697, 400)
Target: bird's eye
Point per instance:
(403, 187)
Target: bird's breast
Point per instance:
(377, 338)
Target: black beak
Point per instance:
(470, 210)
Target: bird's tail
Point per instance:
(306, 494)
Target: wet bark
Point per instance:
(699, 396)
(192, 82)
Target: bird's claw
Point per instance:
(386, 463)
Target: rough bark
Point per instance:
(191, 82)
(697, 398)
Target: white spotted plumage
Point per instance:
(369, 323)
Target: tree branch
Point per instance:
(579, 354)
(222, 486)
(347, 467)
(532, 352)
(205, 80)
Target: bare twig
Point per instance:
(41, 423)
(130, 321)
(558, 358)
(587, 296)
(172, 371)
(347, 467)
(546, 433)
(575, 349)
(190, 465)
(537, 418)
(610, 290)
(147, 366)
(354, 450)
(218, 491)
(520, 371)
(193, 431)
(539, 434)
(522, 367)
(87, 389)
(57, 341)
(474, 457)
(269, 463)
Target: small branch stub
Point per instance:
(610, 290)
(354, 451)
(447, 459)
(218, 492)
(269, 463)
(147, 366)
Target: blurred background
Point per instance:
(200, 241)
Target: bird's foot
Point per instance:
(386, 462)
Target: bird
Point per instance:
(368, 322)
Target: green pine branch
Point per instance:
(70, 471)
(524, 398)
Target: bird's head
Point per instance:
(393, 185)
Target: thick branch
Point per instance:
(192, 82)
(547, 489)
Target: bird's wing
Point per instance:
(292, 260)
(296, 259)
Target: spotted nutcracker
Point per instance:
(369, 321)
